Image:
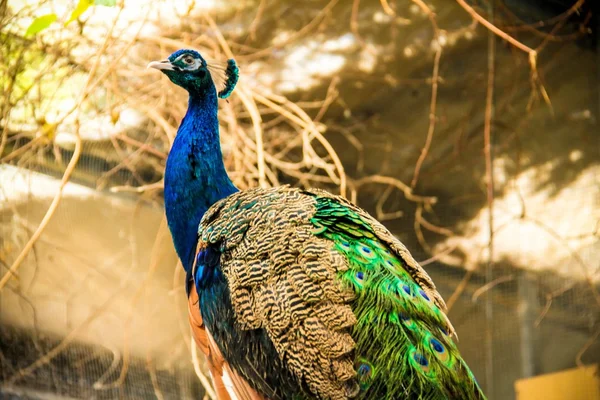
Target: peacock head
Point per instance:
(188, 69)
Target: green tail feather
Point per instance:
(402, 348)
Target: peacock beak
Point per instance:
(161, 65)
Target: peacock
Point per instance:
(296, 293)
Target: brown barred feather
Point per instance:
(291, 291)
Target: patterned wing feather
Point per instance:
(348, 310)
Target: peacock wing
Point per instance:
(290, 308)
(338, 302)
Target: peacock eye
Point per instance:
(188, 60)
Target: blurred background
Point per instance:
(469, 127)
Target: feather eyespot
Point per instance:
(407, 290)
(439, 350)
(360, 275)
(436, 345)
(421, 362)
(365, 374)
(420, 359)
(366, 252)
(364, 370)
(424, 295)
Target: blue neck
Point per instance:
(195, 176)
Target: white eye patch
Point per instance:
(188, 62)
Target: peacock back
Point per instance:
(308, 296)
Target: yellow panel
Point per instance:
(572, 384)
